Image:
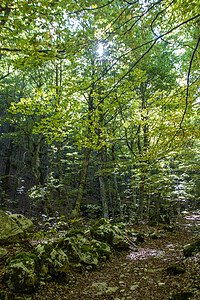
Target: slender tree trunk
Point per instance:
(35, 162)
(5, 178)
(60, 179)
(104, 199)
(83, 177)
(134, 194)
(119, 202)
(118, 198)
(111, 200)
(37, 171)
(141, 197)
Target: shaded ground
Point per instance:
(140, 273)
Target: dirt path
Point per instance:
(141, 273)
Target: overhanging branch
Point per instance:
(188, 81)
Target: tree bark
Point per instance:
(5, 178)
(118, 198)
(104, 199)
(83, 177)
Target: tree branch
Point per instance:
(188, 80)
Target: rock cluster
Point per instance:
(76, 250)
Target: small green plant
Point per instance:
(51, 227)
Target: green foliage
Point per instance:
(137, 102)
(51, 227)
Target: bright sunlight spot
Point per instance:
(100, 49)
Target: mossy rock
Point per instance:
(88, 254)
(79, 250)
(114, 235)
(71, 248)
(175, 270)
(22, 273)
(25, 224)
(52, 260)
(192, 249)
(10, 232)
(102, 249)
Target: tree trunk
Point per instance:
(60, 179)
(118, 198)
(83, 177)
(119, 203)
(104, 199)
(35, 162)
(5, 178)
(111, 200)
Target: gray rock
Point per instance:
(53, 261)
(102, 249)
(22, 273)
(10, 232)
(79, 250)
(114, 235)
(71, 248)
(25, 224)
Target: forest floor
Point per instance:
(140, 273)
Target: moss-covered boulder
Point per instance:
(78, 249)
(112, 234)
(70, 246)
(192, 249)
(89, 255)
(10, 232)
(14, 228)
(53, 261)
(102, 249)
(22, 273)
(25, 224)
